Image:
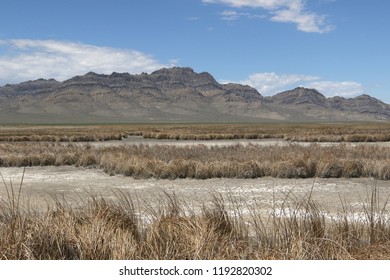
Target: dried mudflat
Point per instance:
(74, 186)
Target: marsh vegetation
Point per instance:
(309, 132)
(202, 162)
(116, 229)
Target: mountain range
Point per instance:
(175, 94)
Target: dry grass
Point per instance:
(201, 162)
(317, 132)
(309, 132)
(117, 229)
(66, 133)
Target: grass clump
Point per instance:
(202, 162)
(302, 132)
(102, 229)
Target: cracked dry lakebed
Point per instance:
(74, 186)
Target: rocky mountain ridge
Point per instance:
(172, 95)
(311, 98)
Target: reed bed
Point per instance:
(378, 132)
(66, 134)
(104, 229)
(307, 132)
(202, 162)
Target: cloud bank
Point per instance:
(270, 83)
(287, 11)
(23, 60)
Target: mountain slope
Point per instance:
(171, 95)
(299, 96)
(317, 107)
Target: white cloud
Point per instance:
(288, 11)
(272, 83)
(192, 18)
(306, 22)
(23, 60)
(231, 15)
(265, 4)
(331, 88)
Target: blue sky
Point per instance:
(340, 47)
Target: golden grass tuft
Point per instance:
(104, 229)
(304, 132)
(202, 162)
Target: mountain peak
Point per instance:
(307, 91)
(300, 95)
(173, 94)
(91, 73)
(367, 100)
(366, 97)
(174, 71)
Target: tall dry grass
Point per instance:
(377, 132)
(66, 133)
(117, 229)
(305, 132)
(202, 162)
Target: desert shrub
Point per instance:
(115, 229)
(296, 168)
(330, 169)
(47, 159)
(352, 168)
(86, 159)
(202, 162)
(384, 172)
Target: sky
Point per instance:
(339, 47)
